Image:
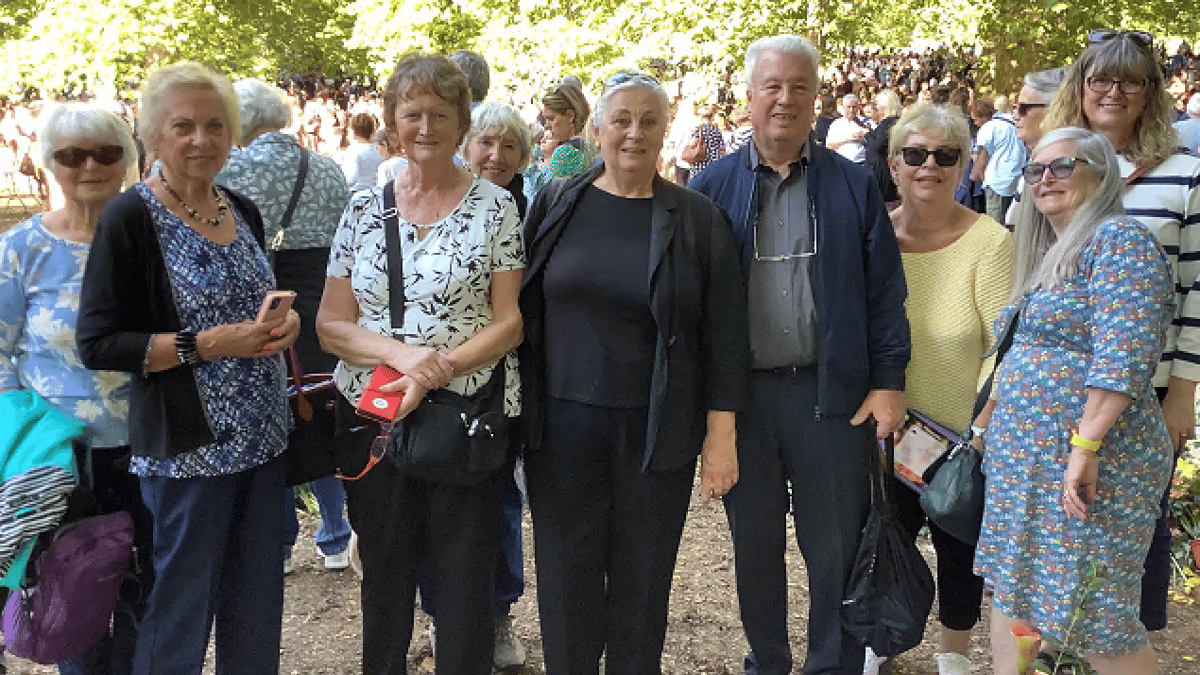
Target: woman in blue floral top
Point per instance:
(88, 151)
(170, 295)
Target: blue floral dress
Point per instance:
(1104, 327)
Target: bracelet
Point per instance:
(978, 431)
(1082, 443)
(185, 348)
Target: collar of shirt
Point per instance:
(758, 166)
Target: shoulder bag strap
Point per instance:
(284, 222)
(395, 263)
(999, 349)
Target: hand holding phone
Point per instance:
(377, 404)
(275, 306)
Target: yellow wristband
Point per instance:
(1084, 443)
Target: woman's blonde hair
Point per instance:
(163, 81)
(1122, 56)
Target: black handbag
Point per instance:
(954, 497)
(890, 590)
(448, 437)
(310, 448)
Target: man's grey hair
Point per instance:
(475, 67)
(786, 44)
(1193, 106)
(261, 106)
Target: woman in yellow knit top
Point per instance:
(958, 265)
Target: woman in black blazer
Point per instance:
(634, 363)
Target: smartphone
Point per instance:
(377, 405)
(275, 306)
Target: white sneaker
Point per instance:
(355, 561)
(951, 663)
(872, 663)
(509, 652)
(432, 639)
(338, 561)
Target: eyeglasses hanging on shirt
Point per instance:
(807, 247)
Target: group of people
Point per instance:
(756, 333)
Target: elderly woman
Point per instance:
(624, 267)
(267, 169)
(1116, 89)
(361, 160)
(170, 294)
(887, 104)
(958, 267)
(562, 153)
(88, 151)
(460, 243)
(1077, 451)
(1036, 95)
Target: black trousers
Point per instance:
(401, 520)
(1156, 581)
(606, 534)
(826, 463)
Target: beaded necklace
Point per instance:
(222, 205)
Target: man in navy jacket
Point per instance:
(830, 344)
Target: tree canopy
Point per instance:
(69, 45)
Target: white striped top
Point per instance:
(1167, 201)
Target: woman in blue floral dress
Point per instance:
(1077, 450)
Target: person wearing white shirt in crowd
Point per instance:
(1189, 129)
(362, 158)
(846, 133)
(998, 157)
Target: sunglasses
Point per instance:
(623, 76)
(1060, 168)
(1142, 38)
(1024, 108)
(945, 157)
(73, 157)
(379, 448)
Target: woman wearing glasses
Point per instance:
(635, 362)
(1077, 451)
(1040, 88)
(88, 151)
(1116, 89)
(958, 267)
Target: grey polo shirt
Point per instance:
(782, 313)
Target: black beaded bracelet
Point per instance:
(185, 348)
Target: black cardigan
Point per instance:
(125, 299)
(697, 298)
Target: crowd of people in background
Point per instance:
(853, 240)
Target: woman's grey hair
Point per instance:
(932, 120)
(163, 81)
(786, 44)
(475, 67)
(624, 81)
(888, 102)
(83, 122)
(1043, 258)
(1193, 106)
(1046, 82)
(262, 108)
(499, 119)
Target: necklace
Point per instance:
(222, 206)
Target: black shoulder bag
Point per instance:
(448, 438)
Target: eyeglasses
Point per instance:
(1102, 85)
(1024, 108)
(1142, 38)
(812, 227)
(379, 448)
(623, 76)
(73, 157)
(945, 157)
(1060, 168)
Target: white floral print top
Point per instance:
(447, 278)
(40, 277)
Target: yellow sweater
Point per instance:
(954, 295)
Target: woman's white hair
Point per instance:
(1044, 258)
(624, 81)
(501, 118)
(158, 87)
(262, 108)
(83, 122)
(786, 44)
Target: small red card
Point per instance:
(377, 405)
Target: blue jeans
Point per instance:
(333, 537)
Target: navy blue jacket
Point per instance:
(857, 280)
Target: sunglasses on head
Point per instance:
(945, 157)
(1142, 38)
(73, 157)
(1024, 108)
(1059, 168)
(623, 76)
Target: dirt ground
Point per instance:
(321, 630)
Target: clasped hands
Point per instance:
(424, 369)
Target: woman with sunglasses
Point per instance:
(1116, 89)
(958, 267)
(635, 362)
(1076, 448)
(88, 151)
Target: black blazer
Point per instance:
(697, 299)
(125, 299)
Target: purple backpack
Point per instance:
(78, 582)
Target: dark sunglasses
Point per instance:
(623, 76)
(73, 157)
(1024, 108)
(1142, 38)
(945, 157)
(1060, 168)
